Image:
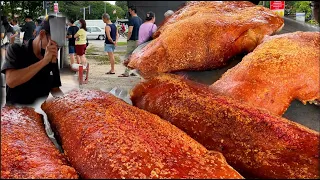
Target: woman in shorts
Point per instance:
(81, 43)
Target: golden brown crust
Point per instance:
(254, 142)
(104, 137)
(26, 150)
(283, 68)
(204, 35)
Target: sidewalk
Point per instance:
(291, 25)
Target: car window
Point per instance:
(95, 29)
(88, 29)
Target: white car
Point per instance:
(95, 32)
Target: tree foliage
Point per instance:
(22, 9)
(303, 6)
(292, 7)
(71, 9)
(123, 5)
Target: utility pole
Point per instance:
(84, 13)
(57, 12)
(46, 6)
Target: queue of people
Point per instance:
(139, 32)
(31, 67)
(78, 42)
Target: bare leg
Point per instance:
(78, 59)
(111, 58)
(71, 58)
(83, 60)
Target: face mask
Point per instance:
(79, 25)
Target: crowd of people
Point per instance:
(30, 66)
(10, 32)
(139, 32)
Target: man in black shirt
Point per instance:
(72, 30)
(32, 69)
(28, 29)
(133, 34)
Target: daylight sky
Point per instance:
(111, 2)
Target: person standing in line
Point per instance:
(28, 29)
(72, 30)
(123, 28)
(7, 38)
(147, 28)
(168, 14)
(81, 43)
(133, 34)
(111, 40)
(38, 27)
(17, 29)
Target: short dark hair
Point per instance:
(39, 21)
(133, 8)
(4, 20)
(71, 21)
(14, 20)
(28, 17)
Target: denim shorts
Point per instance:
(109, 47)
(72, 50)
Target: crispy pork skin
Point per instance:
(282, 68)
(26, 150)
(104, 137)
(255, 142)
(204, 36)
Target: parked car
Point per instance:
(95, 32)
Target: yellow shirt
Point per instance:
(82, 39)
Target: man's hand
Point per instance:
(56, 92)
(51, 52)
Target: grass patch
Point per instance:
(122, 43)
(91, 50)
(120, 52)
(104, 59)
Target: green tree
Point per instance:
(71, 9)
(303, 6)
(22, 9)
(123, 5)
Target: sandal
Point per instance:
(123, 75)
(133, 74)
(110, 72)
